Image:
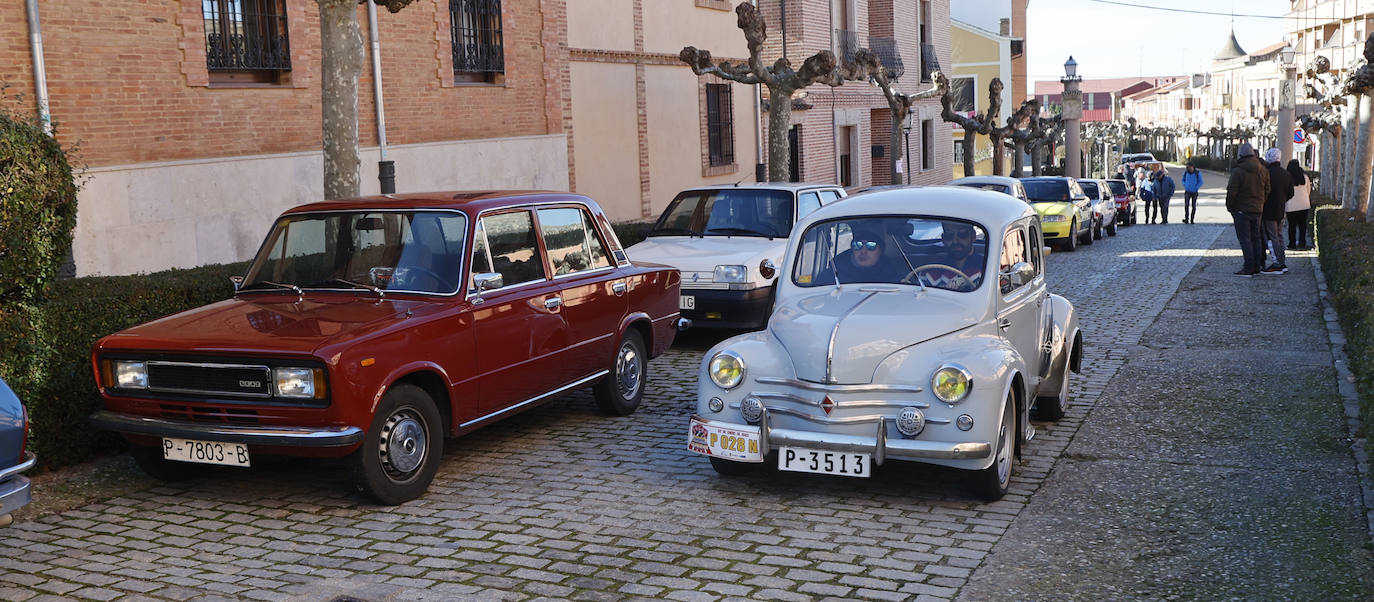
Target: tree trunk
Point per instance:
(895, 139)
(342, 64)
(999, 154)
(1018, 149)
(970, 161)
(779, 123)
(1366, 159)
(1035, 159)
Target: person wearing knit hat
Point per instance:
(1246, 193)
(1280, 190)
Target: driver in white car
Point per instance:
(956, 241)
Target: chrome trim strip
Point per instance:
(863, 403)
(534, 399)
(268, 379)
(14, 494)
(292, 436)
(29, 461)
(834, 332)
(810, 386)
(706, 286)
(846, 420)
(581, 273)
(903, 449)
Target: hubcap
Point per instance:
(627, 369)
(1004, 450)
(403, 442)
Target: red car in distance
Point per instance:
(371, 329)
(1125, 202)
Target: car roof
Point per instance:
(1008, 180)
(472, 200)
(992, 209)
(1048, 179)
(789, 186)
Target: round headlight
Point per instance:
(726, 369)
(951, 383)
(751, 408)
(911, 422)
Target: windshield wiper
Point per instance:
(745, 231)
(290, 287)
(671, 232)
(380, 293)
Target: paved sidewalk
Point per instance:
(1216, 464)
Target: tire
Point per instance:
(1097, 230)
(1087, 238)
(1111, 230)
(1053, 408)
(1134, 217)
(731, 468)
(402, 448)
(1071, 242)
(150, 460)
(991, 483)
(618, 394)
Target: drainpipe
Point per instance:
(40, 73)
(386, 169)
(760, 169)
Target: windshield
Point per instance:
(727, 212)
(933, 252)
(365, 250)
(987, 186)
(1047, 190)
(1117, 186)
(1090, 189)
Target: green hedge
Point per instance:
(1346, 243)
(37, 208)
(48, 341)
(630, 233)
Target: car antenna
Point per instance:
(898, 246)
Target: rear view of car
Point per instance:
(1125, 203)
(14, 458)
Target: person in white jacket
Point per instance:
(1297, 207)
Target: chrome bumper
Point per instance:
(289, 436)
(14, 489)
(878, 445)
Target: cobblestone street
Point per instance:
(564, 503)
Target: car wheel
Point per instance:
(1111, 230)
(1087, 238)
(731, 468)
(992, 482)
(150, 460)
(1071, 242)
(401, 450)
(1097, 230)
(618, 394)
(1052, 408)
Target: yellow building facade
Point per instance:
(979, 56)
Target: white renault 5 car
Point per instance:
(728, 242)
(911, 324)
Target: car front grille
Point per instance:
(210, 379)
(209, 415)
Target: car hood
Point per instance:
(267, 323)
(1053, 207)
(692, 254)
(868, 326)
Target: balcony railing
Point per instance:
(929, 61)
(846, 45)
(888, 56)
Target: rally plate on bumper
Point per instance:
(728, 441)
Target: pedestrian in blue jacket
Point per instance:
(1163, 188)
(1192, 182)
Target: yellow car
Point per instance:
(1066, 213)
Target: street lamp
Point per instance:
(1072, 114)
(1287, 103)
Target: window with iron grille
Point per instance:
(246, 41)
(720, 124)
(478, 49)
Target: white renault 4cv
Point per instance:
(728, 242)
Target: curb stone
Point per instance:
(1345, 384)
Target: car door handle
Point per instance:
(618, 288)
(1004, 323)
(553, 302)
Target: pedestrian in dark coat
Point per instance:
(1192, 183)
(1164, 188)
(1246, 191)
(1280, 190)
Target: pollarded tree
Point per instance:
(866, 62)
(980, 123)
(341, 61)
(780, 79)
(999, 136)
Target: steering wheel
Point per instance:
(956, 278)
(405, 278)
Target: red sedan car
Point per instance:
(372, 328)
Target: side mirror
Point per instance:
(486, 281)
(1022, 273)
(237, 280)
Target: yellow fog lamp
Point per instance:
(951, 383)
(726, 369)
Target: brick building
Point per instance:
(199, 120)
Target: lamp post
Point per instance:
(1072, 114)
(1287, 104)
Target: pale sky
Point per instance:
(1110, 40)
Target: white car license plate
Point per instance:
(205, 452)
(731, 442)
(797, 459)
(686, 302)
